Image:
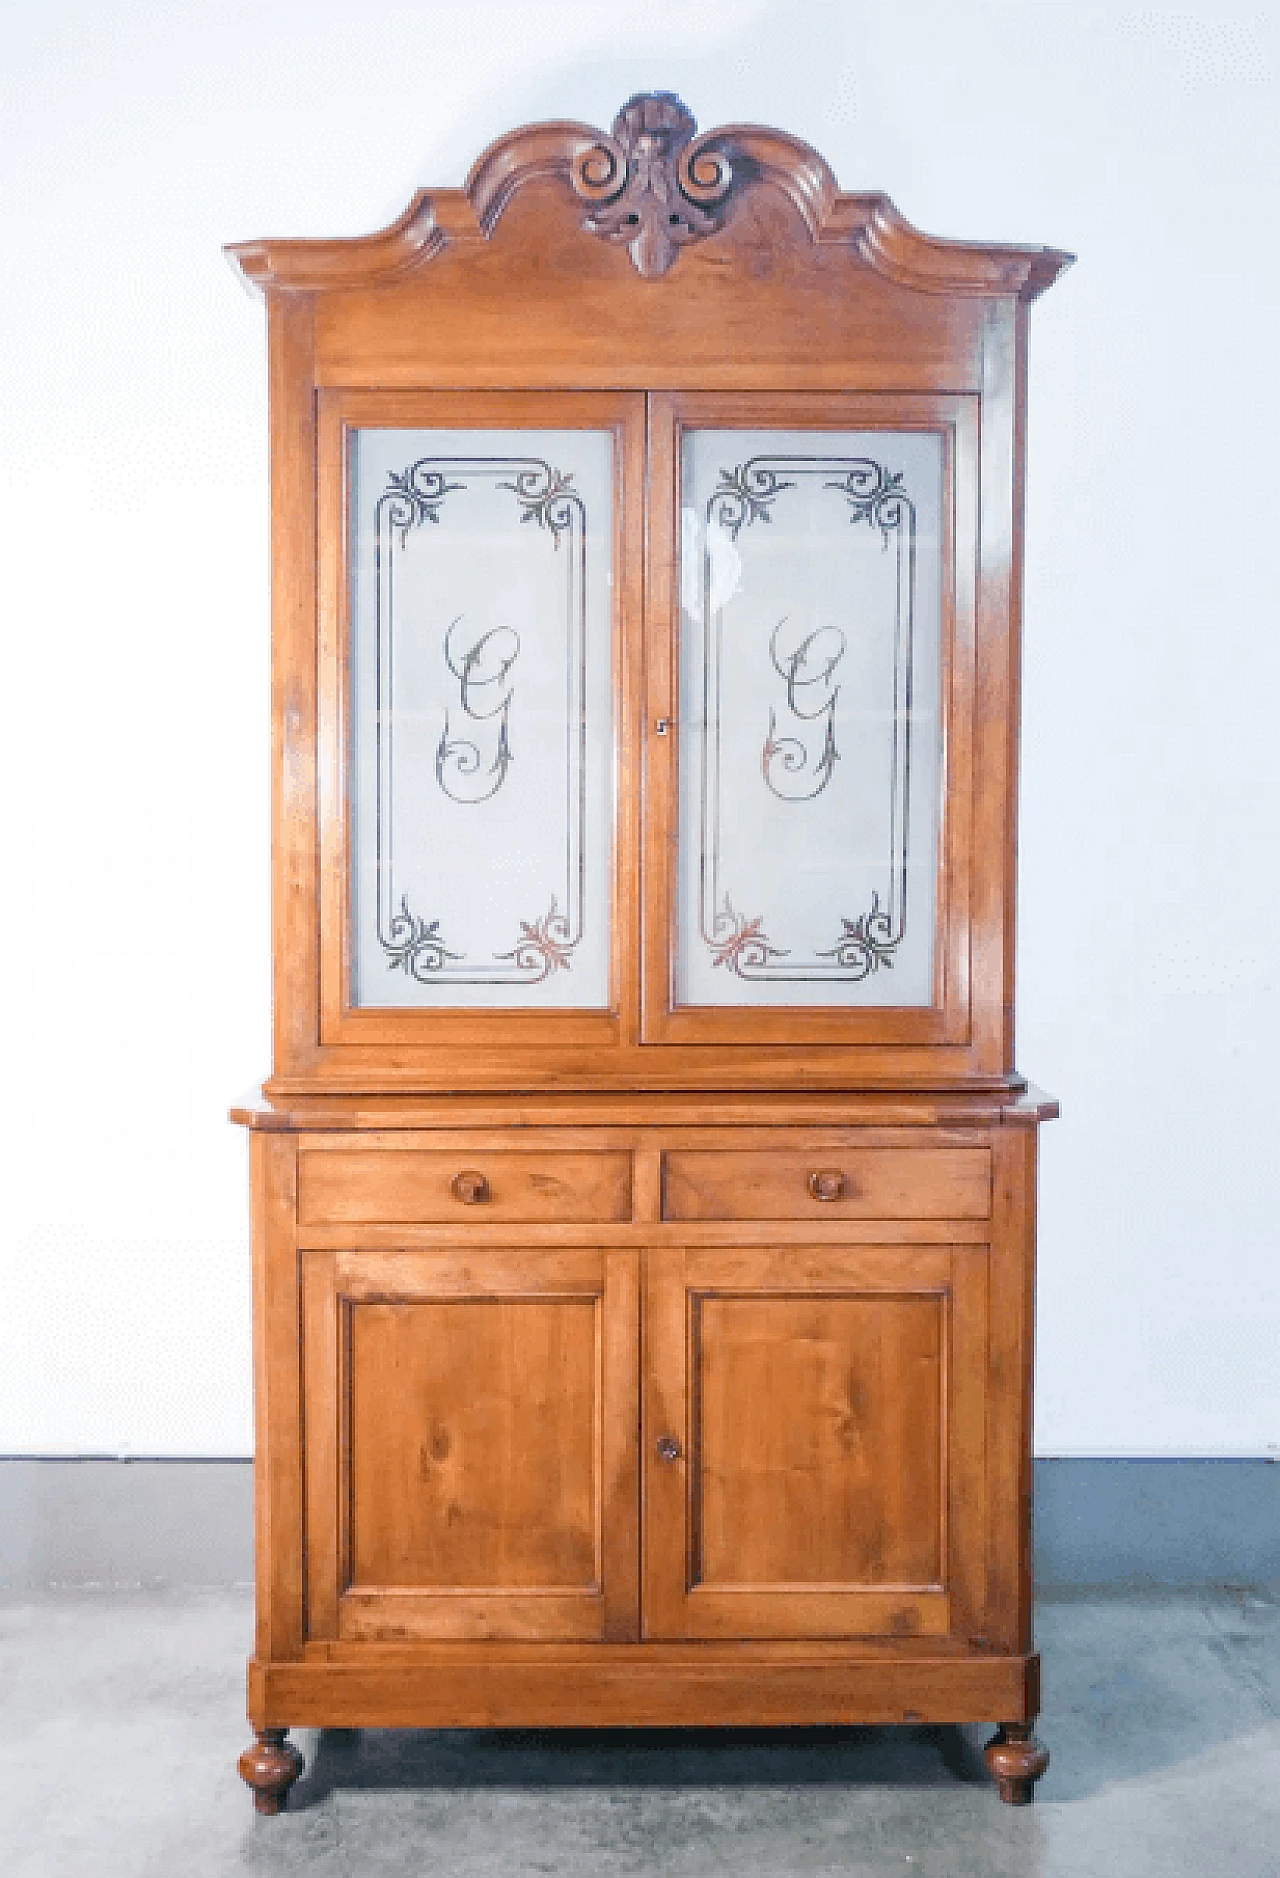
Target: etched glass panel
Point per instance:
(810, 744)
(482, 744)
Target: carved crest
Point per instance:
(652, 184)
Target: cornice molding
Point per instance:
(654, 186)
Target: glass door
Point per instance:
(801, 718)
(477, 666)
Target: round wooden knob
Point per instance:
(828, 1183)
(471, 1188)
(668, 1448)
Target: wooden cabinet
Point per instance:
(643, 1190)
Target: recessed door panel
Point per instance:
(466, 1468)
(817, 1439)
(471, 1444)
(814, 1441)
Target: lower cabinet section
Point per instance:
(807, 1425)
(735, 1468)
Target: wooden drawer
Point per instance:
(828, 1183)
(403, 1186)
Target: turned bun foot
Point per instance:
(270, 1767)
(1015, 1760)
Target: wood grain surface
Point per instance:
(785, 1182)
(428, 1184)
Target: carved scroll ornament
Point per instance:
(652, 184)
(655, 186)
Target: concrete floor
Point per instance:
(122, 1719)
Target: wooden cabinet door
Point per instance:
(471, 1427)
(814, 1441)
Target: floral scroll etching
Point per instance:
(800, 747)
(478, 743)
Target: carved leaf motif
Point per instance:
(651, 184)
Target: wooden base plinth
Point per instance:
(634, 1686)
(1015, 1761)
(270, 1768)
(639, 1686)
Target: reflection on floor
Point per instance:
(122, 1720)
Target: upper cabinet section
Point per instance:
(646, 603)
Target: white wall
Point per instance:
(132, 441)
